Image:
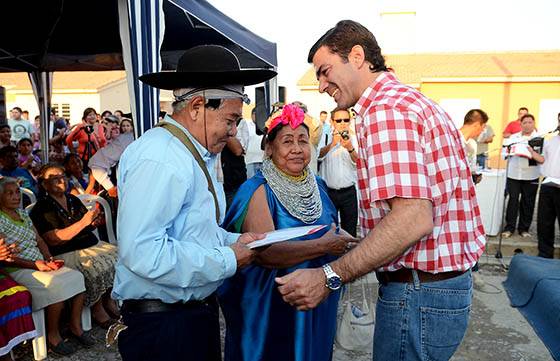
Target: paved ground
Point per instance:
(496, 331)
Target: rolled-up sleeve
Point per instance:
(153, 194)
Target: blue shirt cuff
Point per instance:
(230, 262)
(232, 238)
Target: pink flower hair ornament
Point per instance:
(291, 115)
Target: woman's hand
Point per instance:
(7, 251)
(337, 243)
(90, 216)
(55, 264)
(42, 266)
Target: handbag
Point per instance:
(355, 327)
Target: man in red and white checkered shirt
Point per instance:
(418, 208)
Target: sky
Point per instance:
(400, 26)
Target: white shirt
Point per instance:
(518, 167)
(337, 168)
(471, 150)
(254, 153)
(243, 134)
(551, 154)
(106, 157)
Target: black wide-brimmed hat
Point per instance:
(207, 66)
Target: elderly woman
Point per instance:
(66, 226)
(50, 284)
(260, 325)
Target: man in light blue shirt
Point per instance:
(172, 253)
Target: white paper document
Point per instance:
(285, 234)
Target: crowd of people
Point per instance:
(386, 170)
(51, 256)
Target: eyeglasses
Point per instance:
(55, 179)
(342, 120)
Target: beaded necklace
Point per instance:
(299, 195)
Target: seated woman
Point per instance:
(67, 228)
(26, 158)
(77, 182)
(50, 284)
(260, 325)
(15, 308)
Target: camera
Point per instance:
(344, 134)
(88, 129)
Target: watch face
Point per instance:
(334, 283)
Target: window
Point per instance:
(62, 110)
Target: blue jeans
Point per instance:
(481, 160)
(421, 321)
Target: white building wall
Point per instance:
(78, 102)
(115, 97)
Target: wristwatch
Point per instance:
(334, 282)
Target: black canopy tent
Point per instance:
(73, 35)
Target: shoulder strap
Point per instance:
(179, 134)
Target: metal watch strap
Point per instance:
(329, 272)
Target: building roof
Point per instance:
(92, 80)
(413, 68)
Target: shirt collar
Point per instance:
(204, 153)
(367, 96)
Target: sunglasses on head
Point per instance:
(342, 120)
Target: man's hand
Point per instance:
(346, 143)
(244, 254)
(113, 192)
(336, 139)
(304, 288)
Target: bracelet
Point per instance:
(351, 151)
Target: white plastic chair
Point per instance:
(89, 201)
(40, 342)
(29, 194)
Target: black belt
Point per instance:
(404, 275)
(148, 306)
(342, 189)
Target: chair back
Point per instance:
(29, 194)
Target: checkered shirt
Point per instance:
(410, 148)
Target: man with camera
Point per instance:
(338, 169)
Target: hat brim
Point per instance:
(175, 80)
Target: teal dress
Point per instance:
(259, 324)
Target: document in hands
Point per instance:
(285, 234)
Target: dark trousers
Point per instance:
(191, 333)
(548, 213)
(525, 206)
(346, 202)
